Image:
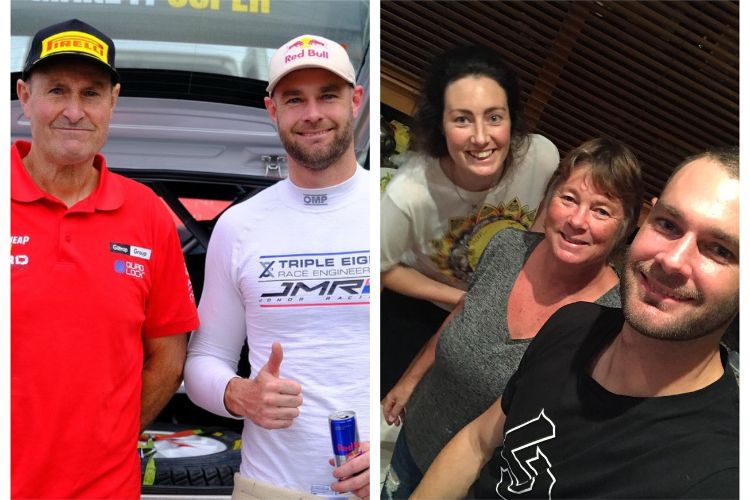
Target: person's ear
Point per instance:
(357, 98)
(271, 107)
(23, 90)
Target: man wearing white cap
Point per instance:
(288, 271)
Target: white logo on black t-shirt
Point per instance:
(526, 470)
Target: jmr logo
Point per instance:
(292, 288)
(315, 199)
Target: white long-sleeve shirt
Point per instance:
(289, 265)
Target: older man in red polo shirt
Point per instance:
(100, 298)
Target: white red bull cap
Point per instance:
(309, 51)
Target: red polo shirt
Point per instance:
(87, 283)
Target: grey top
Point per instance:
(475, 356)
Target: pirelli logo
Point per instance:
(75, 41)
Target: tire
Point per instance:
(205, 474)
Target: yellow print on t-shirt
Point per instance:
(457, 253)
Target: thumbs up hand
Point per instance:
(268, 400)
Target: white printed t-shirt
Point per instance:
(440, 229)
(289, 265)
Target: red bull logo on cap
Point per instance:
(309, 47)
(306, 41)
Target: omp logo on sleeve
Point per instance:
(132, 250)
(75, 41)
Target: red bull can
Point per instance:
(344, 436)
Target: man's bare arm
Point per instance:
(163, 362)
(458, 464)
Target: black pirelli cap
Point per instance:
(71, 38)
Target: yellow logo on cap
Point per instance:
(75, 41)
(306, 41)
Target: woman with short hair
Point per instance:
(591, 206)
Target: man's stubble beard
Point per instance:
(318, 160)
(696, 323)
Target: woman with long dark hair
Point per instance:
(475, 172)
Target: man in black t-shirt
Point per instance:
(631, 403)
